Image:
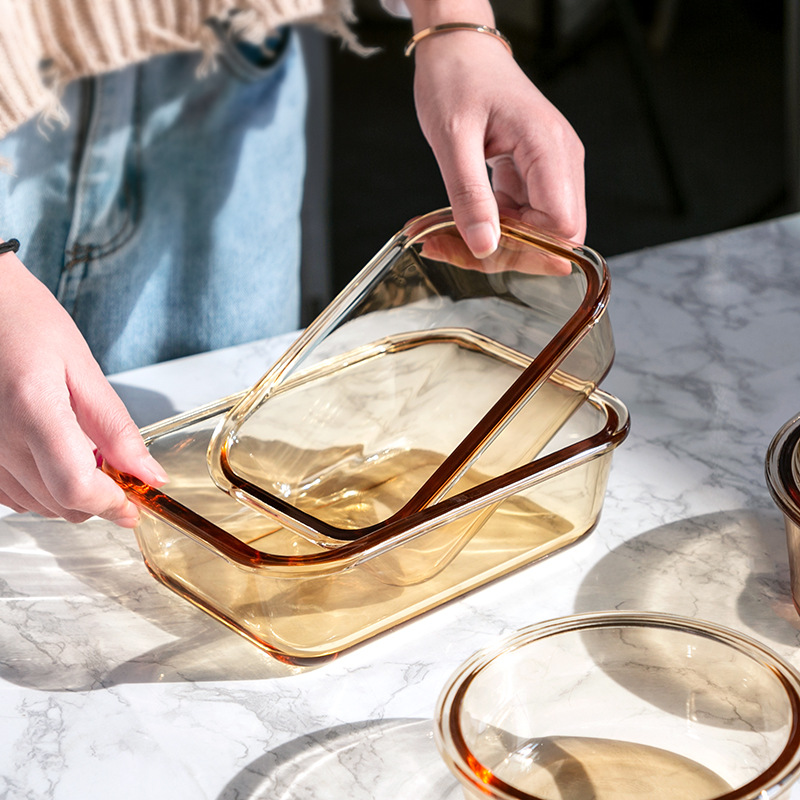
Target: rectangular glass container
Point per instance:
(302, 600)
(431, 373)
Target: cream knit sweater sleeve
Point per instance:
(45, 44)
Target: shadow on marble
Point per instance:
(81, 612)
(729, 567)
(392, 758)
(144, 405)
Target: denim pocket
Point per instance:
(251, 61)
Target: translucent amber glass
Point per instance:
(431, 372)
(301, 600)
(623, 705)
(783, 480)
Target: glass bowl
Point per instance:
(302, 601)
(783, 480)
(432, 372)
(625, 706)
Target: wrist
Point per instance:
(10, 246)
(425, 13)
(456, 27)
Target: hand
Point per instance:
(511, 254)
(477, 107)
(58, 415)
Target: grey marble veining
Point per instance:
(112, 686)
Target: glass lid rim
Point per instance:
(541, 367)
(451, 742)
(179, 516)
(782, 455)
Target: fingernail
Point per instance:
(157, 474)
(482, 238)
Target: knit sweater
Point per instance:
(45, 44)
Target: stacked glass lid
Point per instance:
(437, 426)
(432, 374)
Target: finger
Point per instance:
(105, 420)
(466, 179)
(509, 187)
(546, 198)
(556, 196)
(79, 489)
(566, 221)
(126, 515)
(14, 495)
(61, 472)
(6, 501)
(57, 474)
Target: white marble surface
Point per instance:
(111, 686)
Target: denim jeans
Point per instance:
(166, 216)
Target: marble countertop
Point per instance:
(112, 686)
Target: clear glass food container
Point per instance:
(783, 480)
(623, 705)
(437, 426)
(301, 601)
(432, 372)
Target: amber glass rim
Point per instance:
(780, 469)
(158, 502)
(467, 767)
(541, 367)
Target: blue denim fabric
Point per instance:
(166, 216)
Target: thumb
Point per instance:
(105, 420)
(469, 190)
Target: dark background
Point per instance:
(680, 105)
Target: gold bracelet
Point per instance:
(455, 26)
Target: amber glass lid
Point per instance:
(432, 373)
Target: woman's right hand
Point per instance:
(476, 106)
(59, 416)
